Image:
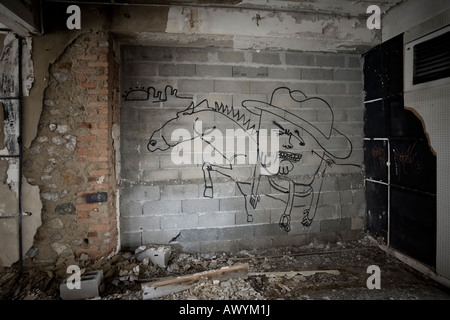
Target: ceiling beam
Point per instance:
(20, 19)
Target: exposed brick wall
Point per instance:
(74, 148)
(95, 148)
(161, 201)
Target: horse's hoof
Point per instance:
(208, 192)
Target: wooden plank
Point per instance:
(167, 286)
(304, 273)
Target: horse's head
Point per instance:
(157, 144)
(168, 136)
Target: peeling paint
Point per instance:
(273, 30)
(9, 244)
(13, 175)
(10, 127)
(27, 67)
(8, 201)
(9, 67)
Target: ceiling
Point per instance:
(337, 7)
(23, 16)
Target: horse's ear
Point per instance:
(188, 110)
(195, 108)
(202, 105)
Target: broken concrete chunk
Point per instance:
(88, 286)
(158, 256)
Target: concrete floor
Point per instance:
(348, 281)
(398, 281)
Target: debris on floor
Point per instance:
(77, 287)
(158, 255)
(317, 271)
(167, 286)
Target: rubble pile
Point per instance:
(231, 289)
(315, 271)
(125, 272)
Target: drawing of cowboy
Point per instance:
(300, 137)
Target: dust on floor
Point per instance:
(270, 275)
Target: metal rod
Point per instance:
(376, 181)
(16, 216)
(19, 38)
(9, 156)
(388, 164)
(376, 139)
(373, 100)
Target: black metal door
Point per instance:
(400, 165)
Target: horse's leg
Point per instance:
(207, 168)
(208, 191)
(225, 171)
(244, 194)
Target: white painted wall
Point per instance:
(417, 18)
(409, 14)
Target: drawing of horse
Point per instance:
(298, 137)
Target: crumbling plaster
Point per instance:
(31, 205)
(253, 29)
(46, 49)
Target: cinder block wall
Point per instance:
(164, 202)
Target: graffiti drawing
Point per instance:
(298, 139)
(408, 159)
(379, 157)
(150, 93)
